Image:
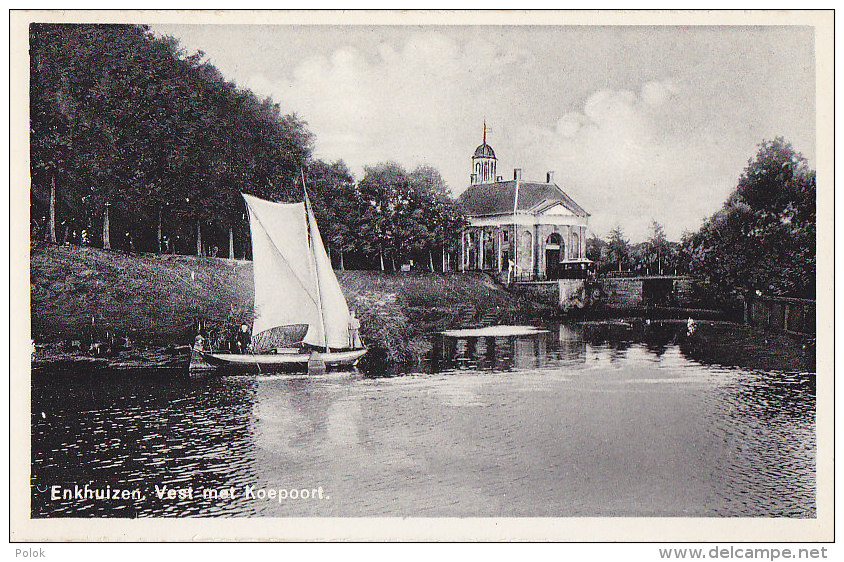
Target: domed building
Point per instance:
(483, 163)
(529, 230)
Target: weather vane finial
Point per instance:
(484, 130)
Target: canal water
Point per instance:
(604, 419)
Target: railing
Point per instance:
(796, 316)
(554, 276)
(529, 277)
(644, 273)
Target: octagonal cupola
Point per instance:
(483, 163)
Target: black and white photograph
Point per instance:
(481, 275)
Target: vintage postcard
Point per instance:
(421, 276)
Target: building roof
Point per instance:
(497, 198)
(484, 151)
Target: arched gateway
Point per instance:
(555, 252)
(532, 228)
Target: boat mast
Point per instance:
(313, 261)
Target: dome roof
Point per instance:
(484, 151)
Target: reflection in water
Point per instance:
(601, 419)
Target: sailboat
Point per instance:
(297, 297)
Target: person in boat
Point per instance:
(199, 343)
(354, 331)
(243, 339)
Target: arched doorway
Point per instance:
(555, 251)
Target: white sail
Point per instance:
(335, 311)
(286, 270)
(285, 288)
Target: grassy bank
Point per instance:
(156, 300)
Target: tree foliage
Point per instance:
(120, 116)
(618, 249)
(763, 238)
(405, 215)
(127, 121)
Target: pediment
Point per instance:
(553, 208)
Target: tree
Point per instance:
(380, 197)
(406, 215)
(618, 248)
(763, 238)
(334, 199)
(596, 249)
(124, 119)
(436, 216)
(657, 248)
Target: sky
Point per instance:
(638, 123)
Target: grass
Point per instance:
(398, 310)
(157, 300)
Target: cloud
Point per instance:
(393, 105)
(630, 142)
(624, 160)
(423, 100)
(621, 154)
(420, 100)
(655, 93)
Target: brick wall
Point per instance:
(565, 294)
(628, 291)
(621, 292)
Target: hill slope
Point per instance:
(158, 299)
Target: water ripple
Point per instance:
(558, 425)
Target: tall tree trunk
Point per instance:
(342, 263)
(393, 261)
(443, 252)
(231, 243)
(53, 210)
(381, 255)
(198, 237)
(431, 260)
(106, 234)
(159, 231)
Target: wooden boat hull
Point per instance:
(206, 362)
